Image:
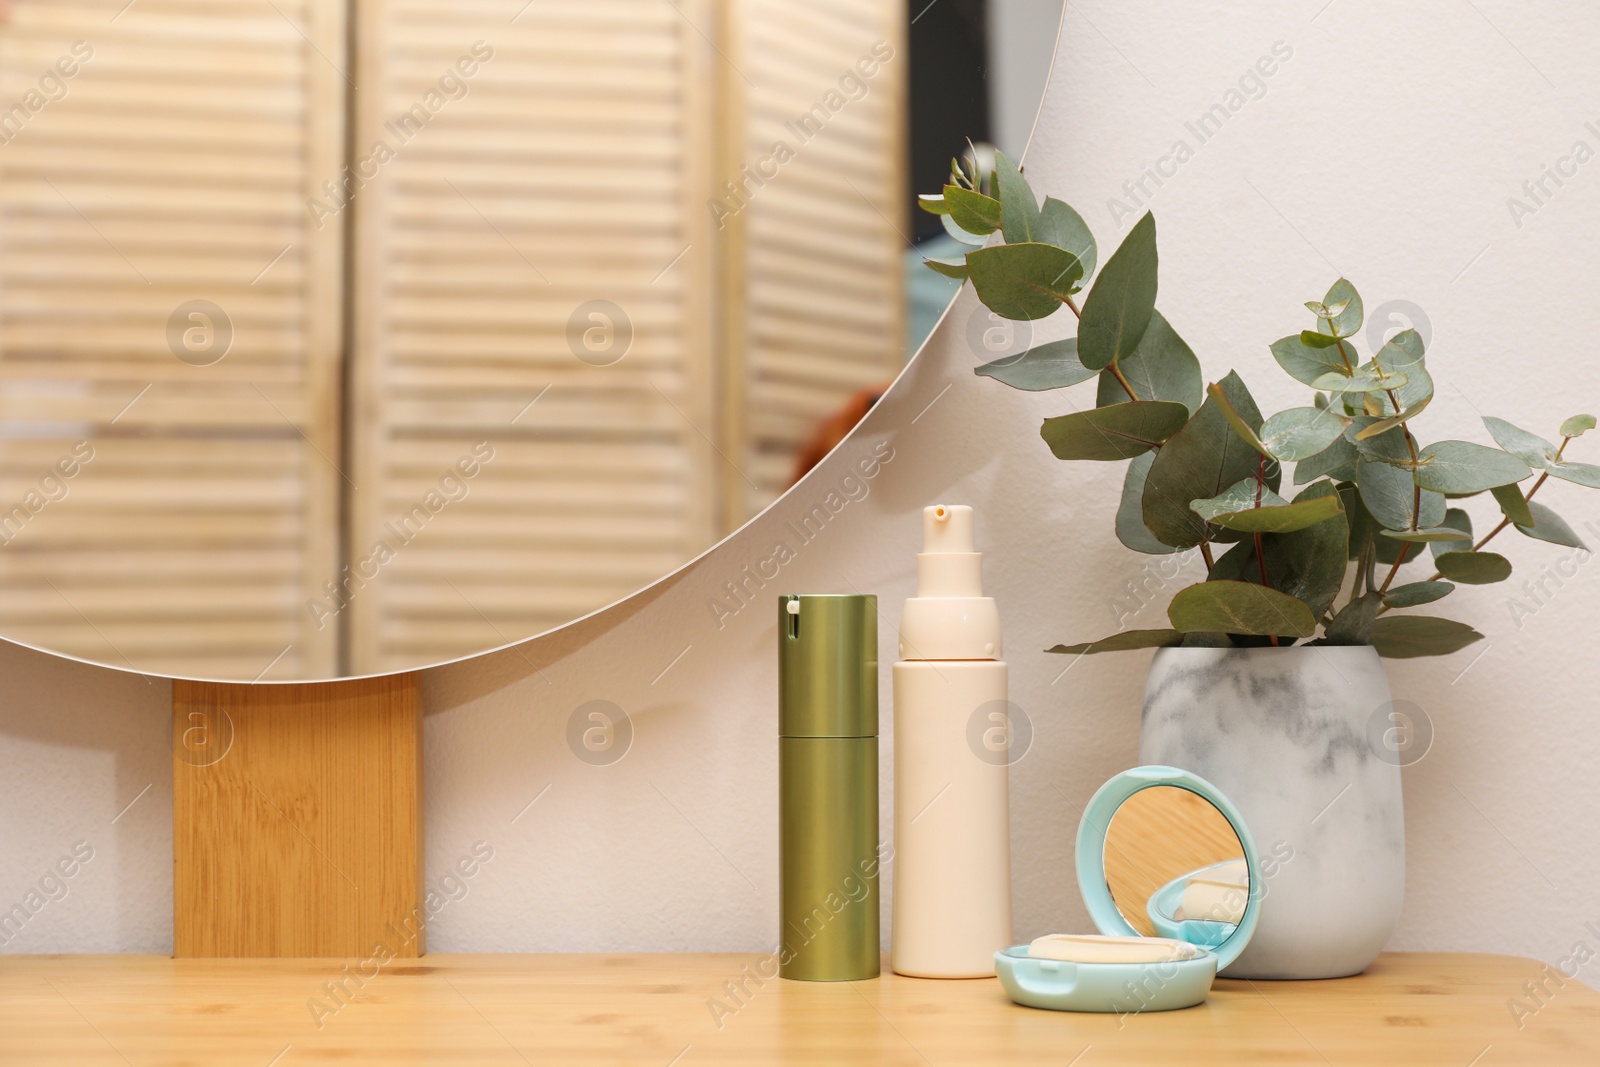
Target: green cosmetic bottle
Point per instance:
(828, 787)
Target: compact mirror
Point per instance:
(1175, 867)
(1170, 875)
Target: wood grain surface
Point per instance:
(297, 818)
(1420, 1009)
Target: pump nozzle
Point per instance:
(949, 618)
(947, 528)
(947, 565)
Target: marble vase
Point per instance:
(1286, 734)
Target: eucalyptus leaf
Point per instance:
(1353, 624)
(1366, 379)
(1474, 568)
(1063, 227)
(1163, 367)
(1048, 366)
(1415, 594)
(1019, 208)
(1577, 426)
(1513, 505)
(1337, 461)
(1390, 446)
(1464, 467)
(933, 203)
(1121, 431)
(1239, 564)
(1586, 474)
(1455, 519)
(1299, 433)
(1023, 281)
(1403, 354)
(1202, 459)
(1384, 425)
(972, 239)
(1131, 530)
(1240, 496)
(972, 211)
(1390, 494)
(1366, 531)
(1126, 641)
(1205, 639)
(1409, 636)
(1240, 608)
(1548, 526)
(964, 170)
(1247, 433)
(1279, 517)
(1343, 304)
(1528, 447)
(950, 268)
(1309, 563)
(1119, 306)
(1313, 339)
(1304, 363)
(1433, 533)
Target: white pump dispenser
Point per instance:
(952, 827)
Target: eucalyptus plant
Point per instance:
(1207, 469)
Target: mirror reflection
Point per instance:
(1175, 867)
(347, 336)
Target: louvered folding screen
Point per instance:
(541, 162)
(815, 298)
(153, 154)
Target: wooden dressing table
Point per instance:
(660, 1010)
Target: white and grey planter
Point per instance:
(1285, 734)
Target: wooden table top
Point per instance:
(1409, 1008)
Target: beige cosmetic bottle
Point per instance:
(952, 858)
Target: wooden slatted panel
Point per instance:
(173, 165)
(570, 166)
(815, 290)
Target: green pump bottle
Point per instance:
(828, 787)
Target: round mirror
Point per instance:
(1175, 867)
(302, 381)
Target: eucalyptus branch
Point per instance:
(1022, 277)
(1116, 372)
(1405, 549)
(1344, 357)
(1504, 522)
(1261, 552)
(1361, 573)
(1411, 446)
(1507, 521)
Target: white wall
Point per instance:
(1385, 148)
(86, 777)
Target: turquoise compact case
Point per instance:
(1125, 970)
